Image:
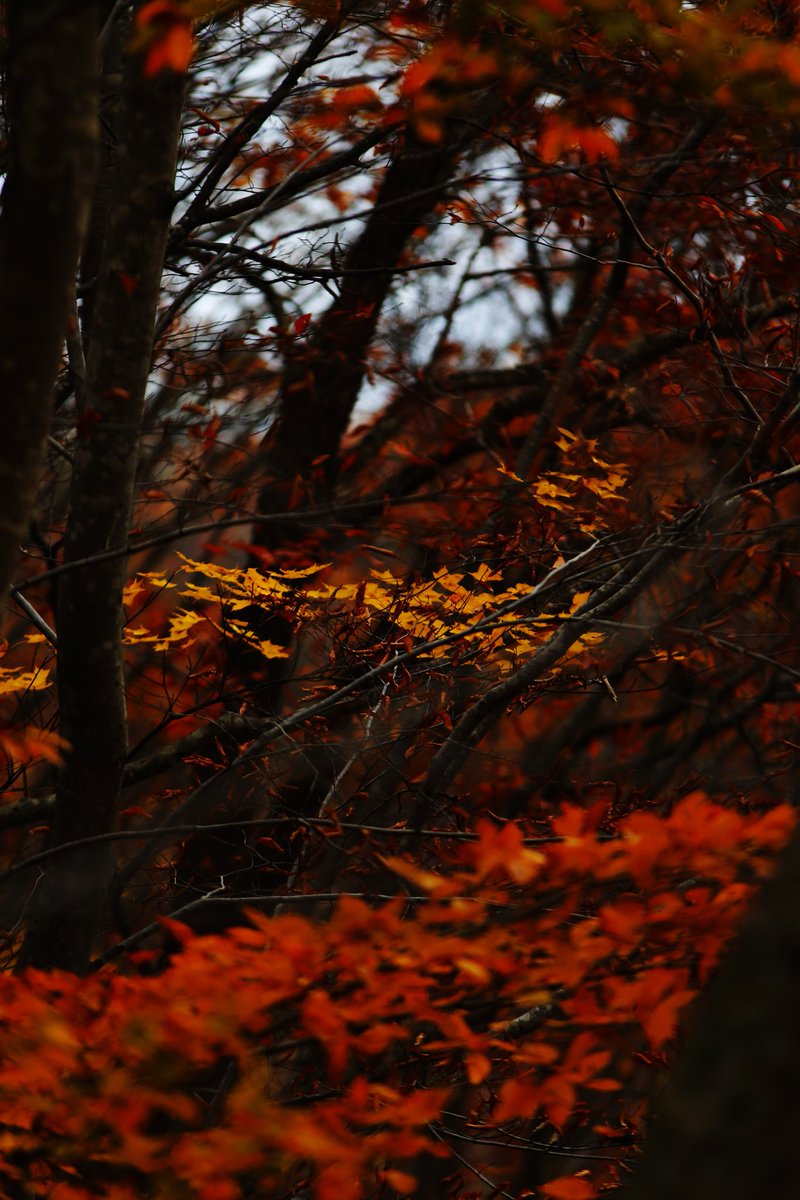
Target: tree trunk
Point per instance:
(90, 616)
(51, 111)
(325, 375)
(725, 1125)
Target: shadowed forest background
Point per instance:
(399, 700)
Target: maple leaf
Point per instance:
(502, 848)
(272, 650)
(13, 680)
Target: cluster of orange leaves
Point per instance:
(164, 31)
(326, 1048)
(727, 54)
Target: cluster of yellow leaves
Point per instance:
(300, 1049)
(25, 743)
(235, 588)
(576, 491)
(13, 679)
(475, 610)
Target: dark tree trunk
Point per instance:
(325, 375)
(51, 114)
(725, 1126)
(91, 684)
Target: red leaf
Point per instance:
(569, 1187)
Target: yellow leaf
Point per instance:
(545, 488)
(131, 591)
(510, 474)
(273, 650)
(305, 572)
(13, 680)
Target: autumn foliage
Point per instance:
(293, 1045)
(383, 784)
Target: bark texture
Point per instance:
(51, 111)
(91, 682)
(731, 1108)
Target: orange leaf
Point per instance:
(569, 1187)
(419, 74)
(478, 1067)
(503, 849)
(401, 1181)
(29, 743)
(659, 1022)
(358, 97)
(171, 49)
(516, 1098)
(559, 135)
(427, 881)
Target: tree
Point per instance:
(413, 554)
